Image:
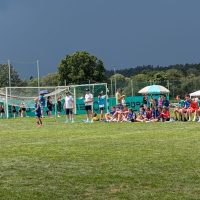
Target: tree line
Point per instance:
(82, 67)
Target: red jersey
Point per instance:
(165, 114)
(194, 105)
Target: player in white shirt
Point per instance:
(88, 105)
(69, 106)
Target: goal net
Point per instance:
(19, 97)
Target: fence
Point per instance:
(176, 87)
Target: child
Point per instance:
(131, 115)
(14, 110)
(148, 114)
(101, 102)
(38, 112)
(42, 102)
(193, 109)
(2, 111)
(165, 115)
(95, 117)
(59, 105)
(49, 106)
(23, 109)
(142, 115)
(109, 115)
(160, 101)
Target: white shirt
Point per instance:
(69, 102)
(89, 97)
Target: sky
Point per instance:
(122, 33)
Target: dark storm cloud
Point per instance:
(121, 33)
(4, 4)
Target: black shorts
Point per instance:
(24, 109)
(38, 115)
(101, 108)
(69, 111)
(88, 108)
(50, 108)
(59, 108)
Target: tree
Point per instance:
(81, 67)
(4, 76)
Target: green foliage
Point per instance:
(4, 76)
(81, 67)
(48, 80)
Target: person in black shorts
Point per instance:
(2, 110)
(69, 106)
(23, 110)
(88, 105)
(49, 106)
(59, 105)
(14, 111)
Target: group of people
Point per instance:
(40, 103)
(151, 109)
(188, 109)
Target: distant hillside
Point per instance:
(185, 69)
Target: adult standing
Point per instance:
(69, 106)
(88, 105)
(119, 97)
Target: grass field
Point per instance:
(99, 160)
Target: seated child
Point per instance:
(142, 115)
(156, 113)
(131, 117)
(193, 109)
(148, 114)
(165, 114)
(95, 117)
(108, 116)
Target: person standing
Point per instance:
(59, 105)
(119, 97)
(49, 106)
(42, 102)
(88, 105)
(38, 113)
(14, 110)
(69, 106)
(101, 102)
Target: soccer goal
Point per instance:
(23, 97)
(78, 92)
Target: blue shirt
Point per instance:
(131, 116)
(166, 103)
(187, 104)
(42, 100)
(37, 109)
(101, 101)
(155, 113)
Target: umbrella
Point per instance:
(154, 89)
(44, 92)
(195, 94)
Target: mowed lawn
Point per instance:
(99, 160)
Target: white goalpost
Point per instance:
(16, 96)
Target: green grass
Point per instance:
(99, 161)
